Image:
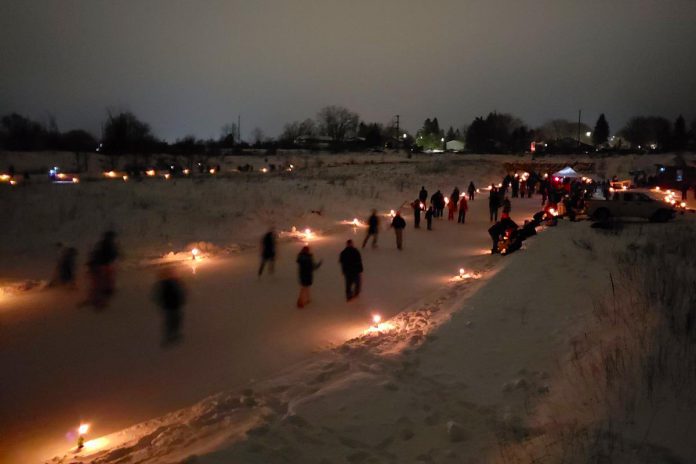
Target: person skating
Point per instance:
(493, 203)
(417, 207)
(471, 190)
(372, 229)
(65, 270)
(352, 268)
(463, 208)
(451, 209)
(268, 251)
(438, 203)
(171, 297)
(455, 197)
(306, 267)
(398, 224)
(423, 195)
(101, 270)
(429, 217)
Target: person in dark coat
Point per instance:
(438, 202)
(65, 270)
(101, 270)
(306, 267)
(352, 268)
(417, 207)
(463, 208)
(429, 217)
(171, 297)
(497, 231)
(372, 229)
(423, 195)
(493, 203)
(268, 251)
(507, 208)
(471, 190)
(398, 224)
(455, 198)
(515, 184)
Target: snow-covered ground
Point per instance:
(454, 366)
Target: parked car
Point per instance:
(630, 204)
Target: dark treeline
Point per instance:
(337, 128)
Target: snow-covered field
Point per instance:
(456, 365)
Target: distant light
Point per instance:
(461, 272)
(682, 204)
(588, 133)
(83, 429)
(442, 139)
(405, 135)
(376, 318)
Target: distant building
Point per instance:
(564, 145)
(320, 142)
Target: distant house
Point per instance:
(313, 141)
(320, 142)
(564, 145)
(455, 146)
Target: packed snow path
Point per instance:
(63, 364)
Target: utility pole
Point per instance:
(239, 128)
(398, 132)
(579, 116)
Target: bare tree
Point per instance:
(337, 122)
(228, 135)
(257, 136)
(292, 131)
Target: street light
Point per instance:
(588, 133)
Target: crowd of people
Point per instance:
(170, 292)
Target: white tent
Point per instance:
(567, 172)
(454, 145)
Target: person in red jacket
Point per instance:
(451, 209)
(463, 207)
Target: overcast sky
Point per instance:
(189, 67)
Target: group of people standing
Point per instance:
(456, 202)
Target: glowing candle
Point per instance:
(376, 319)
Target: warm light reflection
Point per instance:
(96, 444)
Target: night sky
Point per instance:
(189, 67)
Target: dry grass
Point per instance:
(628, 391)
